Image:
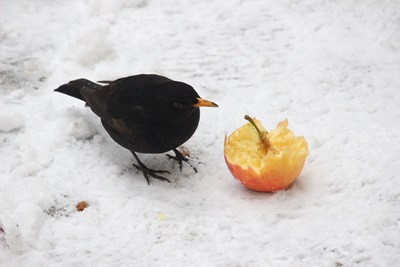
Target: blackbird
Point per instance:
(144, 113)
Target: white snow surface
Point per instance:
(331, 67)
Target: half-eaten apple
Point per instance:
(265, 161)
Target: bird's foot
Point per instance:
(180, 158)
(149, 172)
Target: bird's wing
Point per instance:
(120, 103)
(127, 103)
(131, 118)
(97, 100)
(119, 116)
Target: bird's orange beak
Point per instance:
(204, 103)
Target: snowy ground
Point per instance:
(331, 67)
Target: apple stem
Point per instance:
(248, 118)
(263, 135)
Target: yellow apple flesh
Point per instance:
(265, 161)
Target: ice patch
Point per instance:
(28, 168)
(108, 7)
(90, 46)
(10, 120)
(15, 96)
(22, 226)
(30, 161)
(81, 129)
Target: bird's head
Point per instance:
(178, 100)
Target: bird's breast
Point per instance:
(155, 136)
(172, 134)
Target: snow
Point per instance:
(330, 67)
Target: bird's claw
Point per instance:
(180, 158)
(153, 173)
(146, 171)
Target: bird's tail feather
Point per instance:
(73, 88)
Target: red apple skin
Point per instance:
(268, 181)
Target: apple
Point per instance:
(265, 161)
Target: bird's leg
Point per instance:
(146, 171)
(180, 157)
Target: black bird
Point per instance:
(144, 113)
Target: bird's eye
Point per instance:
(178, 105)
